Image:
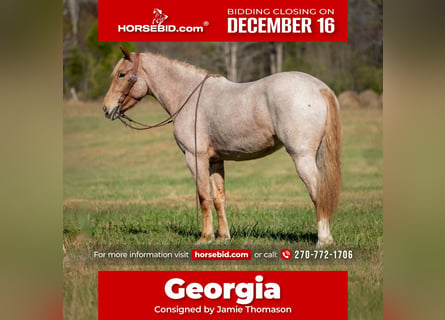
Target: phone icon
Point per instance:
(286, 254)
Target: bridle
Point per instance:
(132, 79)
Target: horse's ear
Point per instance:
(127, 54)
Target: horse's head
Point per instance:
(125, 89)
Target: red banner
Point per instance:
(223, 295)
(246, 20)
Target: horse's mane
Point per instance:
(183, 64)
(173, 61)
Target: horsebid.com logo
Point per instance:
(159, 17)
(157, 25)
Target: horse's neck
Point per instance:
(170, 82)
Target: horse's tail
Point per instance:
(328, 160)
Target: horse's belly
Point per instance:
(246, 149)
(243, 129)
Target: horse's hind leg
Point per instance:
(205, 197)
(219, 199)
(305, 162)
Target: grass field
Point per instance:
(128, 190)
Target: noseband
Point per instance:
(132, 79)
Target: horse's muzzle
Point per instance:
(114, 114)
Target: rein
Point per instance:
(128, 122)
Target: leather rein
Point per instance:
(128, 122)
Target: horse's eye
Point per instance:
(121, 75)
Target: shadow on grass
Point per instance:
(184, 231)
(252, 231)
(269, 233)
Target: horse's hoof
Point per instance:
(205, 240)
(321, 243)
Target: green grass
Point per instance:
(126, 190)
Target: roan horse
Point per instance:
(239, 121)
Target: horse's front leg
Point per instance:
(219, 199)
(205, 198)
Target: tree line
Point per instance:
(355, 65)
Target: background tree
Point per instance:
(73, 9)
(231, 60)
(276, 56)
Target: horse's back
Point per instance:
(282, 95)
(292, 85)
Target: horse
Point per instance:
(159, 17)
(239, 121)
